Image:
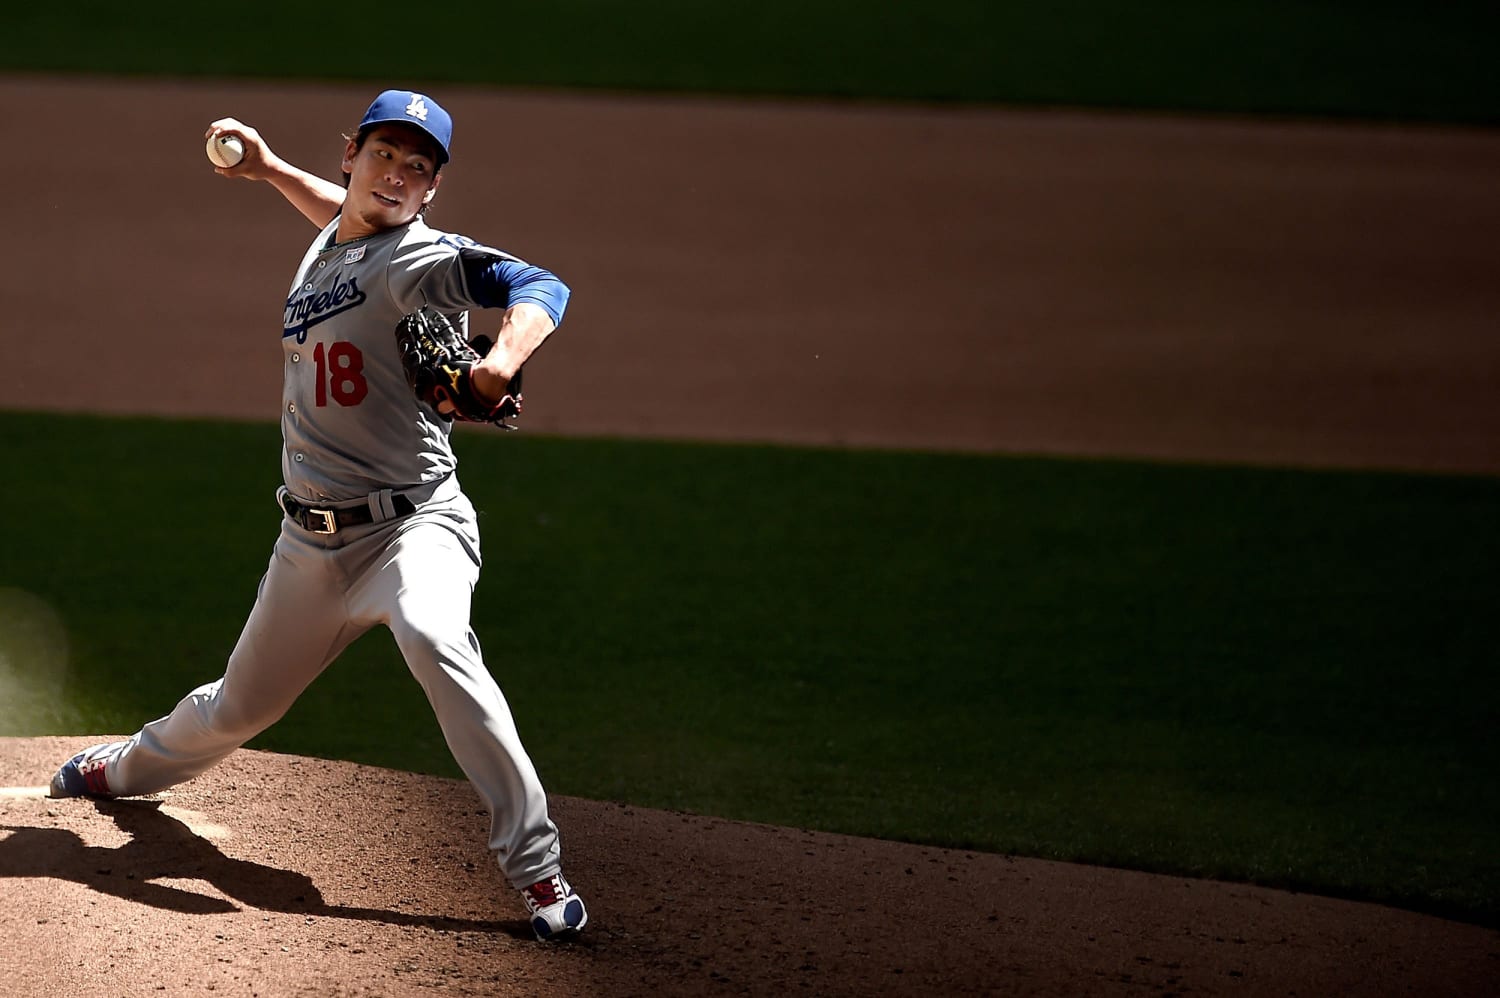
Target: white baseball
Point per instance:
(226, 150)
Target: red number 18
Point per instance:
(341, 371)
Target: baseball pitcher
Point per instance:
(375, 527)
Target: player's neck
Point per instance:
(351, 229)
(352, 226)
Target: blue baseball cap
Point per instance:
(418, 110)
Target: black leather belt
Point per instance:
(327, 520)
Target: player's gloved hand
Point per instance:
(439, 367)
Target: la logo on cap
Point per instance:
(417, 108)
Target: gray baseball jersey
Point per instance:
(350, 422)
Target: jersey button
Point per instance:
(296, 357)
(297, 458)
(291, 407)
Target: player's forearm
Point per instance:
(521, 331)
(317, 199)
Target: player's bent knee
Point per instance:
(234, 718)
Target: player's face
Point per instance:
(390, 177)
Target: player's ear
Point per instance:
(350, 151)
(437, 178)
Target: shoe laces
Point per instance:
(544, 893)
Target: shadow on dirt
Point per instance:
(163, 848)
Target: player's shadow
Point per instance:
(161, 847)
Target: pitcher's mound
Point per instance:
(279, 875)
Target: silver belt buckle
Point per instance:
(330, 524)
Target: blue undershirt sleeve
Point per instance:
(500, 283)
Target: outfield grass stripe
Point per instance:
(1284, 676)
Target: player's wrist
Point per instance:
(488, 381)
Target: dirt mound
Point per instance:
(278, 875)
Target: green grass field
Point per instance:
(1278, 676)
(1380, 59)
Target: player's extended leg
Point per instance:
(422, 590)
(297, 626)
